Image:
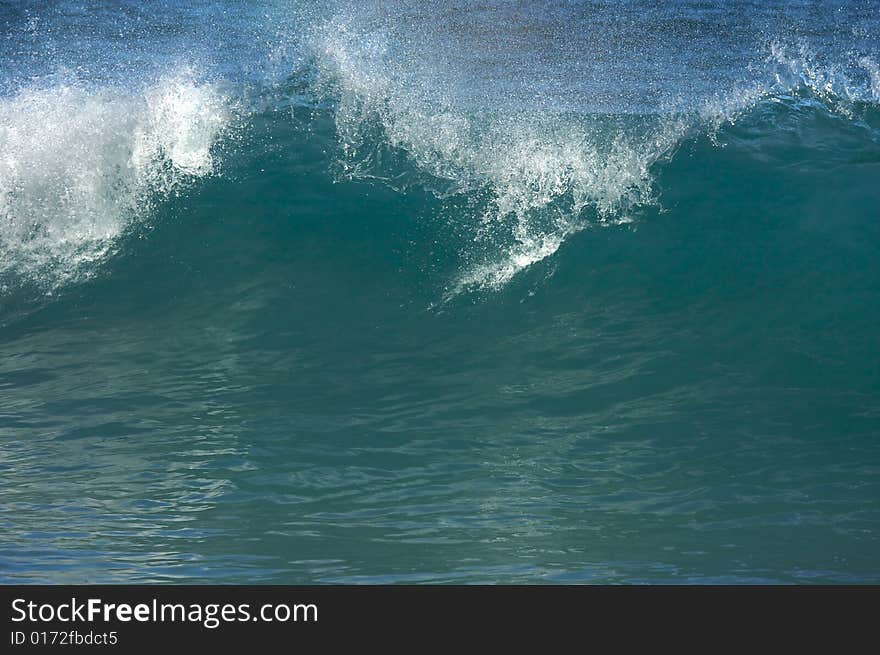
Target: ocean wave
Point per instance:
(80, 165)
(538, 159)
(529, 163)
(545, 173)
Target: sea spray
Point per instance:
(81, 164)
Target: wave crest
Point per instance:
(544, 172)
(528, 165)
(79, 165)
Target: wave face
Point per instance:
(488, 291)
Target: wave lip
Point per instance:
(538, 170)
(82, 164)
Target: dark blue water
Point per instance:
(440, 292)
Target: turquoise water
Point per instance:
(440, 292)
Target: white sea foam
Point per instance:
(530, 164)
(78, 165)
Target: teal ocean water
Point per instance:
(469, 291)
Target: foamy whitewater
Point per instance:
(419, 291)
(80, 165)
